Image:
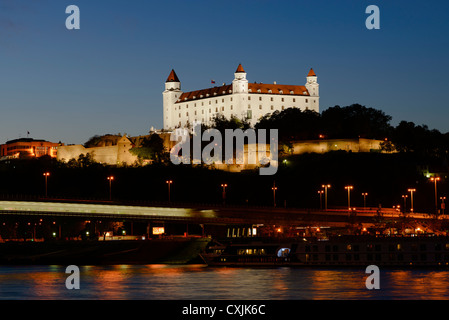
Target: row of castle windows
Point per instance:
(231, 108)
(249, 98)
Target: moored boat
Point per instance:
(422, 251)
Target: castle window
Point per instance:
(202, 111)
(230, 92)
(272, 108)
(260, 98)
(187, 114)
(231, 107)
(307, 100)
(202, 103)
(249, 106)
(258, 90)
(282, 99)
(194, 97)
(195, 112)
(249, 98)
(180, 115)
(201, 96)
(271, 98)
(294, 100)
(291, 92)
(187, 106)
(282, 108)
(216, 101)
(269, 91)
(222, 108)
(222, 100)
(194, 105)
(216, 109)
(209, 101)
(249, 90)
(281, 92)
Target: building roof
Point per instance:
(277, 89)
(257, 88)
(206, 93)
(239, 69)
(172, 77)
(311, 73)
(25, 140)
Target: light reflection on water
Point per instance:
(164, 282)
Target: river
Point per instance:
(198, 282)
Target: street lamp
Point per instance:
(364, 194)
(110, 178)
(224, 185)
(435, 179)
(443, 205)
(274, 188)
(169, 182)
(411, 198)
(46, 175)
(325, 186)
(405, 196)
(349, 188)
(320, 192)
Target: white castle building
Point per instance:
(241, 99)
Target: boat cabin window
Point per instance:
(283, 252)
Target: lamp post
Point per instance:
(349, 188)
(325, 186)
(169, 182)
(405, 196)
(364, 194)
(320, 192)
(443, 205)
(274, 188)
(411, 198)
(224, 185)
(435, 179)
(110, 178)
(46, 175)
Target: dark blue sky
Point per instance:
(108, 77)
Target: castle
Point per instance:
(240, 99)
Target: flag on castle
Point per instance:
(212, 81)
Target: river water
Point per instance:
(198, 282)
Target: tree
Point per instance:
(356, 121)
(151, 148)
(221, 123)
(92, 142)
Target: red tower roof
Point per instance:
(240, 68)
(311, 73)
(172, 77)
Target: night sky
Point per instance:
(108, 77)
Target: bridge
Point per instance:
(202, 214)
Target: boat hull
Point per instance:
(164, 251)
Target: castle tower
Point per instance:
(313, 88)
(170, 96)
(240, 91)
